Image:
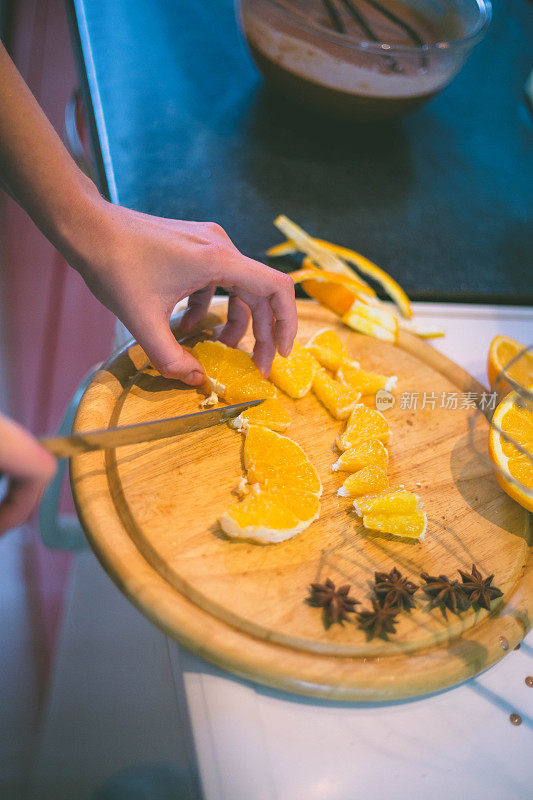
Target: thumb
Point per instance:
(167, 356)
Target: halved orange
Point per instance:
(502, 351)
(514, 468)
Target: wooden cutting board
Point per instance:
(150, 512)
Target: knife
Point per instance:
(106, 438)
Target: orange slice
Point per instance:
(365, 481)
(514, 468)
(231, 373)
(338, 399)
(372, 452)
(364, 424)
(270, 414)
(294, 375)
(328, 349)
(501, 351)
(278, 461)
(270, 516)
(368, 383)
(396, 513)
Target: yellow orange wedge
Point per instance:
(294, 375)
(397, 513)
(367, 383)
(371, 452)
(231, 373)
(278, 461)
(284, 497)
(369, 479)
(514, 468)
(502, 350)
(338, 399)
(364, 424)
(270, 414)
(328, 349)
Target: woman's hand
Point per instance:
(140, 266)
(28, 468)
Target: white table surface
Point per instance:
(142, 699)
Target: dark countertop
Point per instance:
(186, 128)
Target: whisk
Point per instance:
(361, 20)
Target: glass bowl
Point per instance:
(352, 58)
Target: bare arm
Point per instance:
(139, 266)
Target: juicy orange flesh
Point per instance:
(234, 370)
(270, 414)
(409, 526)
(294, 375)
(360, 380)
(522, 370)
(366, 480)
(338, 399)
(397, 502)
(328, 349)
(518, 423)
(370, 452)
(364, 423)
(278, 461)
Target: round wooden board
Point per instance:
(150, 512)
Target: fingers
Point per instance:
(196, 308)
(263, 328)
(254, 278)
(238, 319)
(168, 357)
(28, 466)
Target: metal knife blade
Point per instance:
(76, 443)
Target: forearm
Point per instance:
(35, 166)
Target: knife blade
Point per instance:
(106, 438)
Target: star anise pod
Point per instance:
(380, 621)
(337, 603)
(392, 589)
(445, 593)
(478, 589)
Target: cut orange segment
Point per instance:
(270, 515)
(405, 526)
(365, 481)
(398, 513)
(278, 461)
(364, 424)
(502, 350)
(372, 452)
(338, 399)
(270, 414)
(328, 349)
(365, 382)
(514, 468)
(231, 373)
(294, 375)
(398, 501)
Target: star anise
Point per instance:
(478, 589)
(392, 589)
(380, 621)
(445, 593)
(337, 603)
